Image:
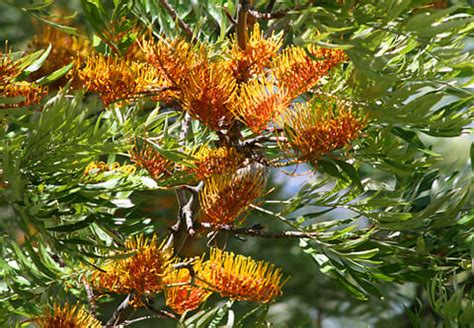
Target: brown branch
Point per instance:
(161, 313)
(242, 13)
(230, 17)
(176, 17)
(259, 231)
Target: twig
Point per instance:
(230, 17)
(160, 313)
(90, 297)
(259, 231)
(122, 312)
(176, 17)
(147, 317)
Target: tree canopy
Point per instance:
(238, 163)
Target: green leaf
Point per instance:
(57, 74)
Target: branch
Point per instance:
(122, 312)
(90, 297)
(259, 231)
(242, 12)
(161, 313)
(176, 17)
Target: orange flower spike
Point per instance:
(297, 72)
(256, 57)
(242, 278)
(208, 93)
(211, 161)
(316, 129)
(184, 297)
(116, 79)
(8, 68)
(259, 103)
(67, 317)
(31, 93)
(65, 49)
(143, 272)
(225, 198)
(151, 160)
(173, 59)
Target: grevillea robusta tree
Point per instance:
(202, 164)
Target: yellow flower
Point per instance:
(297, 72)
(215, 161)
(142, 272)
(242, 278)
(316, 129)
(151, 160)
(95, 168)
(225, 198)
(255, 57)
(181, 293)
(67, 317)
(116, 79)
(258, 104)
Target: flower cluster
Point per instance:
(151, 160)
(216, 161)
(242, 278)
(253, 85)
(22, 93)
(297, 69)
(256, 57)
(182, 293)
(225, 198)
(151, 269)
(66, 317)
(315, 129)
(66, 49)
(142, 272)
(116, 79)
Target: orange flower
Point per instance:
(8, 68)
(151, 160)
(316, 129)
(207, 94)
(184, 295)
(297, 72)
(142, 272)
(211, 161)
(29, 93)
(224, 198)
(115, 79)
(242, 278)
(256, 57)
(67, 317)
(204, 88)
(258, 104)
(66, 48)
(173, 59)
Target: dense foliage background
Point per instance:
(392, 215)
